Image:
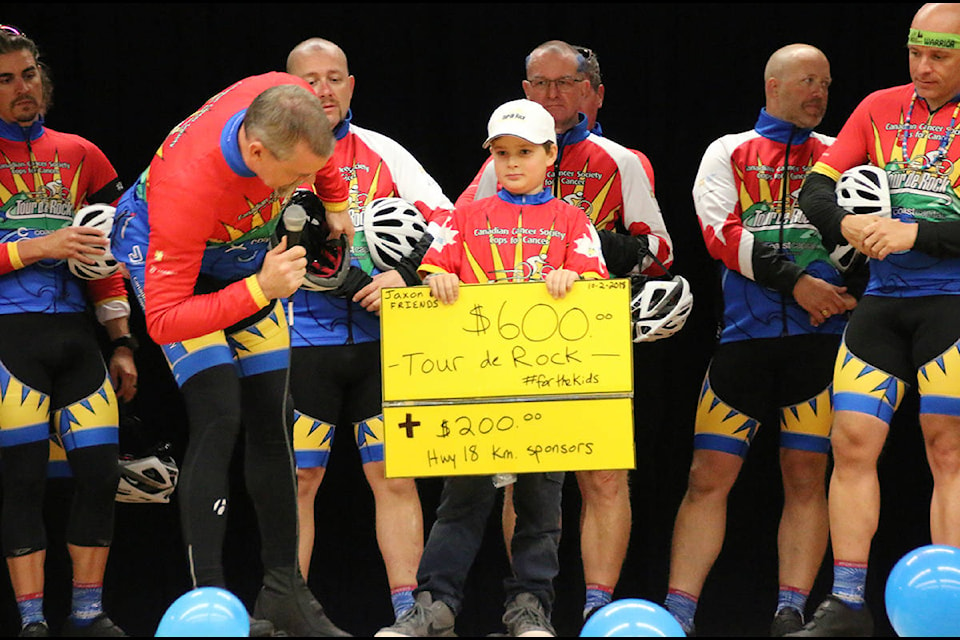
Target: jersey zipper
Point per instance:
(781, 251)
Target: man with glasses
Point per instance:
(51, 367)
(608, 183)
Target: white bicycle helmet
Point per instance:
(392, 227)
(659, 308)
(862, 189)
(98, 216)
(150, 479)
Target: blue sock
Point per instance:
(849, 582)
(791, 597)
(683, 606)
(402, 599)
(31, 608)
(598, 596)
(87, 603)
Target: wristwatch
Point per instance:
(127, 341)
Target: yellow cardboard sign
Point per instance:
(507, 341)
(507, 379)
(508, 437)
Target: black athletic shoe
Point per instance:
(263, 629)
(835, 618)
(787, 620)
(35, 630)
(101, 627)
(293, 609)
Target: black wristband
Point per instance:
(127, 341)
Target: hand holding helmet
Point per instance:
(327, 261)
(860, 190)
(90, 263)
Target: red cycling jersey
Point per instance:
(199, 193)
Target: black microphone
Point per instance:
(294, 219)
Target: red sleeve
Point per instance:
(103, 174)
(331, 188)
(852, 143)
(107, 289)
(9, 258)
(173, 312)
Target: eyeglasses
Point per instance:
(563, 85)
(13, 31)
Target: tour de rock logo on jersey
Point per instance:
(771, 219)
(46, 203)
(924, 185)
(593, 204)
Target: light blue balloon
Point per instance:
(923, 592)
(632, 617)
(207, 612)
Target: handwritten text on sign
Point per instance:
(509, 437)
(507, 340)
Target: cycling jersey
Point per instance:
(597, 130)
(604, 179)
(47, 175)
(371, 166)
(894, 129)
(202, 210)
(745, 195)
(511, 238)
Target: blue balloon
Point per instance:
(207, 612)
(632, 617)
(923, 592)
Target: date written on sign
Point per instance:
(506, 340)
(508, 437)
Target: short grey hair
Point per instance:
(284, 115)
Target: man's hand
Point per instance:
(123, 373)
(369, 296)
(884, 236)
(560, 281)
(445, 287)
(341, 223)
(79, 243)
(821, 299)
(283, 270)
(852, 227)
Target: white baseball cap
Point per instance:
(522, 118)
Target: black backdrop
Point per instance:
(677, 76)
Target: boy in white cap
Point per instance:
(520, 234)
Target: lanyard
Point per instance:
(945, 140)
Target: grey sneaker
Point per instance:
(525, 618)
(427, 618)
(787, 620)
(835, 618)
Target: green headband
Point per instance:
(933, 39)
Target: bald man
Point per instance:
(785, 308)
(335, 361)
(904, 331)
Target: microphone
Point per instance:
(294, 219)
